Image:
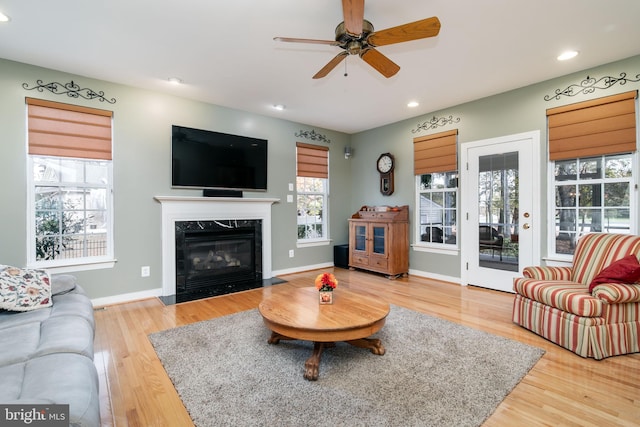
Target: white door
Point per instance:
(500, 209)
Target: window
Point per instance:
(435, 167)
(71, 199)
(312, 192)
(591, 195)
(592, 148)
(312, 199)
(438, 202)
(70, 185)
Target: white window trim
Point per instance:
(431, 248)
(74, 264)
(551, 209)
(312, 243)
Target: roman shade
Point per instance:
(65, 130)
(593, 128)
(435, 153)
(312, 161)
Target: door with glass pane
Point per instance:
(369, 244)
(501, 217)
(379, 240)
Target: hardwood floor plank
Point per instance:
(561, 390)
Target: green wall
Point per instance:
(141, 153)
(513, 112)
(142, 126)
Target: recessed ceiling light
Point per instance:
(279, 107)
(4, 18)
(175, 80)
(413, 104)
(567, 55)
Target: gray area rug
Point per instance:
(434, 373)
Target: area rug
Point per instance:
(434, 373)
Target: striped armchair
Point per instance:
(555, 302)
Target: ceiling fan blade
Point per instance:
(423, 29)
(353, 13)
(384, 65)
(331, 65)
(294, 40)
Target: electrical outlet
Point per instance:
(145, 271)
(291, 255)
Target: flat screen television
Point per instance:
(206, 159)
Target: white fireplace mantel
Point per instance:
(176, 208)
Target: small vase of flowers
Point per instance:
(325, 284)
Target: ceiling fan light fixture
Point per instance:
(413, 104)
(569, 54)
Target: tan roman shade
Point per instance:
(65, 130)
(593, 128)
(312, 161)
(435, 153)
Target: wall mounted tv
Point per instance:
(212, 160)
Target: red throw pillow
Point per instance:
(624, 270)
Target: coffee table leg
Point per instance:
(312, 365)
(373, 344)
(276, 337)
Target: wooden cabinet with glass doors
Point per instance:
(379, 240)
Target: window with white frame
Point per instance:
(592, 194)
(312, 170)
(69, 185)
(592, 151)
(311, 204)
(437, 208)
(435, 160)
(71, 208)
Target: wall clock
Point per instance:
(385, 166)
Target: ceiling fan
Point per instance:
(355, 35)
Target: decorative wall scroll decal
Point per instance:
(590, 85)
(312, 135)
(71, 89)
(436, 122)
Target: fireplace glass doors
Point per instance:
(218, 257)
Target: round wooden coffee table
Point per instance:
(295, 314)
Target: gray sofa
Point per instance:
(46, 355)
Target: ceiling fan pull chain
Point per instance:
(345, 67)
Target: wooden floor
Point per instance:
(561, 390)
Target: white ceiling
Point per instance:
(224, 51)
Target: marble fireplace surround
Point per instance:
(177, 208)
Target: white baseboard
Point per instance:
(434, 276)
(133, 296)
(117, 299)
(301, 269)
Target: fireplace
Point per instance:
(217, 257)
(220, 210)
